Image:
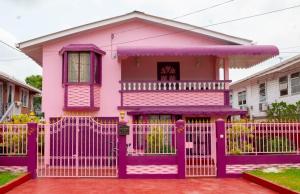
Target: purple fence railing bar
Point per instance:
(28, 159)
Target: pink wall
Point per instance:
(189, 70)
(79, 95)
(173, 98)
(53, 93)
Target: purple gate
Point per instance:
(77, 147)
(152, 150)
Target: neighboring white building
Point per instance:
(278, 83)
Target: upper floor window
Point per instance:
(295, 83)
(82, 63)
(242, 98)
(79, 66)
(283, 85)
(262, 93)
(24, 97)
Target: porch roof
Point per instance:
(239, 56)
(195, 110)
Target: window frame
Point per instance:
(261, 99)
(293, 78)
(92, 68)
(283, 82)
(24, 91)
(244, 102)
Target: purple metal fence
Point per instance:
(157, 151)
(247, 146)
(19, 147)
(77, 147)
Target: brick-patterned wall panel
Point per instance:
(78, 95)
(96, 96)
(151, 169)
(240, 168)
(173, 98)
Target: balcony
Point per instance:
(174, 93)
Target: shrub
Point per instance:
(240, 139)
(156, 142)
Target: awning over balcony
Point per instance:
(200, 110)
(239, 56)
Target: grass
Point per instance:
(7, 176)
(289, 178)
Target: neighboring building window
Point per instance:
(262, 93)
(10, 94)
(79, 67)
(283, 85)
(24, 97)
(242, 98)
(230, 98)
(295, 83)
(262, 97)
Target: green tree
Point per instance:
(35, 81)
(282, 111)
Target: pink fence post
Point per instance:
(180, 145)
(220, 137)
(32, 149)
(122, 149)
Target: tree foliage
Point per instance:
(35, 81)
(283, 112)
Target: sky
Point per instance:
(25, 19)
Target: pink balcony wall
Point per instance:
(53, 92)
(173, 98)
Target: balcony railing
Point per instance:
(175, 85)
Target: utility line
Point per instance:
(186, 30)
(181, 16)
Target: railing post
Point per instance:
(122, 151)
(32, 149)
(220, 137)
(180, 146)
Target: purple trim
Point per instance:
(220, 148)
(152, 176)
(32, 149)
(139, 91)
(198, 110)
(180, 146)
(152, 160)
(147, 81)
(66, 96)
(215, 50)
(81, 108)
(122, 151)
(13, 160)
(92, 95)
(263, 159)
(82, 47)
(227, 97)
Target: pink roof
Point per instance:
(239, 55)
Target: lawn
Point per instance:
(289, 178)
(7, 176)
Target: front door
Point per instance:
(168, 71)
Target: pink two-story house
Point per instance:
(144, 66)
